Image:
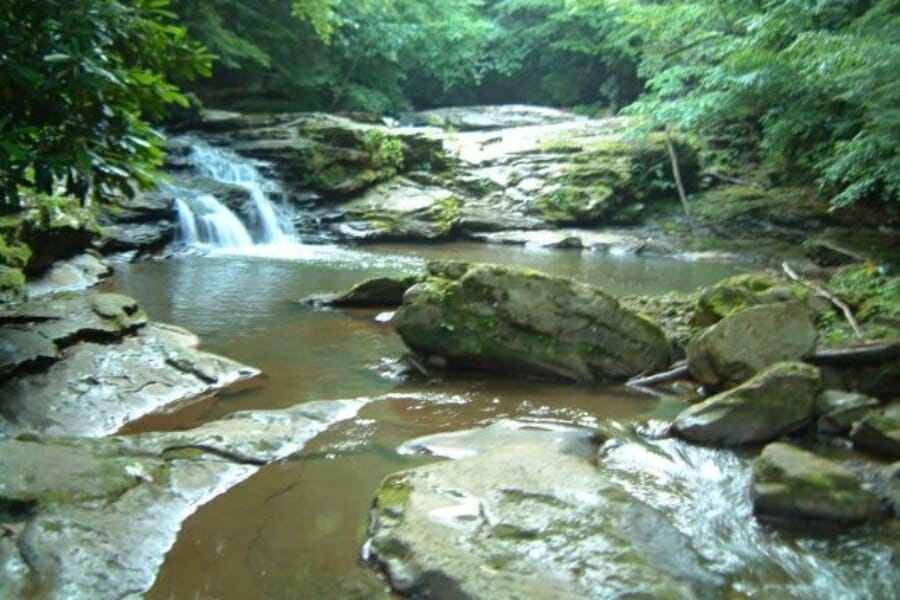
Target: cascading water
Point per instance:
(205, 221)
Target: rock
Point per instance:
(77, 273)
(838, 410)
(524, 513)
(793, 484)
(400, 210)
(88, 364)
(55, 230)
(745, 342)
(527, 322)
(143, 237)
(481, 118)
(879, 432)
(777, 401)
(743, 291)
(379, 292)
(21, 348)
(104, 513)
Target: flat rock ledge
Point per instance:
(86, 364)
(95, 518)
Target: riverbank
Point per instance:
(335, 412)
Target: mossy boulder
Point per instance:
(743, 291)
(745, 342)
(777, 401)
(793, 484)
(879, 432)
(751, 208)
(873, 293)
(526, 322)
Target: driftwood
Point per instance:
(867, 354)
(678, 370)
(848, 314)
(676, 171)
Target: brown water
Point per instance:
(295, 529)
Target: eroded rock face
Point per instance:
(97, 517)
(87, 364)
(744, 342)
(777, 401)
(794, 484)
(526, 514)
(527, 322)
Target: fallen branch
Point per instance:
(848, 314)
(676, 171)
(734, 180)
(677, 371)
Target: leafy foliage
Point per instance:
(79, 82)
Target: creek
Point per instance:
(295, 529)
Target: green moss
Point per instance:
(12, 285)
(872, 295)
(393, 494)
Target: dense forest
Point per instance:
(805, 88)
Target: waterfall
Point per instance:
(204, 220)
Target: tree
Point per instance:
(80, 83)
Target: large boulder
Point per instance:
(524, 513)
(747, 341)
(743, 291)
(794, 484)
(879, 432)
(777, 401)
(521, 321)
(837, 411)
(400, 210)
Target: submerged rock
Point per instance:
(790, 483)
(747, 341)
(89, 363)
(777, 401)
(100, 515)
(521, 321)
(524, 513)
(378, 292)
(879, 432)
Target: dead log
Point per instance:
(678, 370)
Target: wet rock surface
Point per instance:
(777, 401)
(521, 321)
(525, 514)
(380, 292)
(793, 484)
(101, 515)
(86, 364)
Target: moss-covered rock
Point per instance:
(527, 322)
(745, 342)
(777, 401)
(743, 291)
(879, 432)
(12, 285)
(873, 294)
(837, 411)
(748, 208)
(794, 484)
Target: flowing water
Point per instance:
(295, 529)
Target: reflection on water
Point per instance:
(295, 529)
